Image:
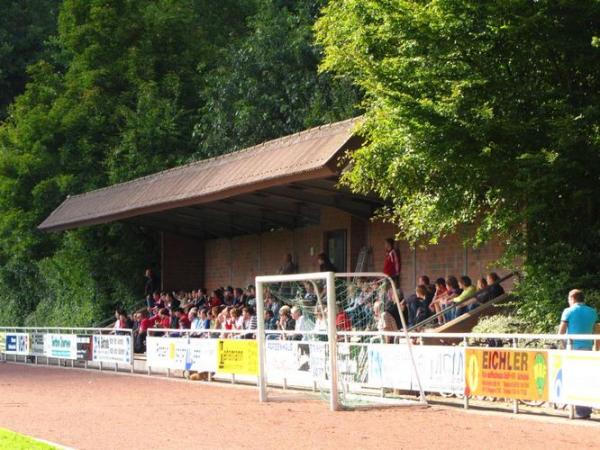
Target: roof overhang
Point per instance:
(279, 184)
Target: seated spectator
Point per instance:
(215, 299)
(248, 321)
(385, 321)
(172, 301)
(201, 321)
(429, 288)
(183, 321)
(228, 296)
(270, 320)
(496, 289)
(161, 320)
(310, 297)
(439, 298)
(468, 291)
(483, 291)
(251, 296)
(453, 290)
(286, 322)
(320, 323)
(343, 321)
(239, 299)
(417, 306)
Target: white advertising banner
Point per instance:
(573, 376)
(440, 368)
(202, 355)
(60, 346)
(182, 353)
(300, 363)
(111, 348)
(36, 344)
(17, 343)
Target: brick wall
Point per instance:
(237, 261)
(182, 262)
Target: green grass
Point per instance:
(14, 441)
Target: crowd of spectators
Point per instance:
(296, 312)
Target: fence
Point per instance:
(64, 345)
(527, 368)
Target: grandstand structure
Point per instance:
(225, 220)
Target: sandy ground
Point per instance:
(91, 410)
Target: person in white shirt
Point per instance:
(302, 324)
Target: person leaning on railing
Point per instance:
(579, 318)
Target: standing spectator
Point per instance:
(391, 262)
(301, 324)
(579, 318)
(325, 264)
(140, 339)
(149, 286)
(288, 267)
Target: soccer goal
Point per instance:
(335, 335)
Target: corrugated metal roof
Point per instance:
(304, 155)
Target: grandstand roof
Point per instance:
(280, 183)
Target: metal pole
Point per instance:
(515, 401)
(332, 336)
(465, 396)
(260, 341)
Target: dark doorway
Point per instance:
(335, 243)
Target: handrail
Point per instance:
(104, 322)
(462, 303)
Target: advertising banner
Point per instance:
(60, 346)
(166, 352)
(36, 344)
(574, 377)
(111, 348)
(440, 368)
(17, 343)
(202, 355)
(237, 356)
(182, 353)
(2, 342)
(506, 373)
(84, 348)
(299, 363)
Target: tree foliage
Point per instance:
(126, 88)
(481, 112)
(268, 85)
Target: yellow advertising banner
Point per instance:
(237, 356)
(504, 373)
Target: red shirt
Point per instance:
(214, 301)
(184, 322)
(391, 263)
(343, 322)
(146, 323)
(159, 322)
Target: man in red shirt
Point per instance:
(182, 319)
(391, 263)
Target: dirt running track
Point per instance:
(92, 410)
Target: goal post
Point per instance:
(329, 332)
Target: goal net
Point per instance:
(337, 335)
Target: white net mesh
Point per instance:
(296, 325)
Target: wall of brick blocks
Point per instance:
(237, 261)
(182, 262)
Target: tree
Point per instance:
(116, 100)
(481, 112)
(268, 85)
(25, 28)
